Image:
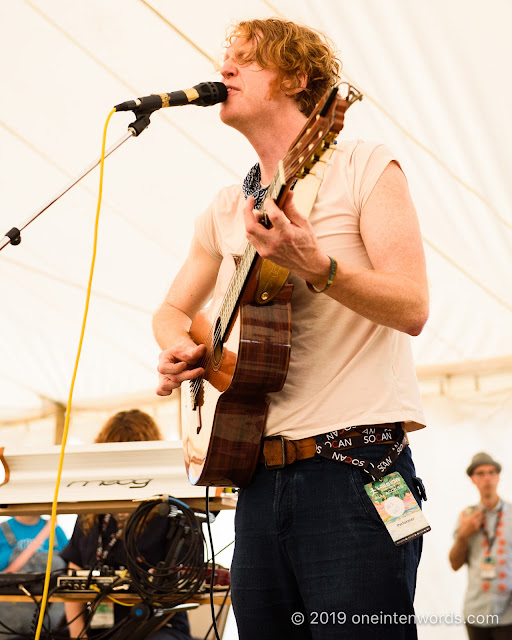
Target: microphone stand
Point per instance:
(13, 236)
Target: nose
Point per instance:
(228, 68)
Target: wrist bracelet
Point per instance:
(334, 266)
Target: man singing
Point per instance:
(308, 538)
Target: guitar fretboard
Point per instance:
(243, 269)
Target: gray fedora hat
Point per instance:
(482, 458)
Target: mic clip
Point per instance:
(142, 122)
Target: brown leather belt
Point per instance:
(278, 452)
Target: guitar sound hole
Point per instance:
(217, 352)
(217, 344)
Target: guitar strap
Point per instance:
(273, 277)
(306, 189)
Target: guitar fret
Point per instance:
(235, 288)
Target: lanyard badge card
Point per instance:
(397, 506)
(488, 568)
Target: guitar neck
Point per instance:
(236, 287)
(246, 262)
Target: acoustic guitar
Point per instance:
(247, 332)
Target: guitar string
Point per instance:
(232, 296)
(225, 313)
(228, 305)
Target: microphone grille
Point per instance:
(210, 93)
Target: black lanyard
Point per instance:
(102, 550)
(378, 470)
(490, 541)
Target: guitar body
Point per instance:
(223, 425)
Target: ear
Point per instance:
(303, 81)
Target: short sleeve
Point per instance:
(5, 552)
(205, 231)
(220, 228)
(367, 163)
(74, 549)
(62, 539)
(456, 530)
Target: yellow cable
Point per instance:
(123, 604)
(44, 599)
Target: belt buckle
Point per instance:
(271, 467)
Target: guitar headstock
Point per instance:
(319, 132)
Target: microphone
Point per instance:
(204, 94)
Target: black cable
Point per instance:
(33, 622)
(180, 575)
(29, 580)
(223, 549)
(110, 630)
(91, 610)
(212, 577)
(219, 612)
(100, 636)
(46, 629)
(68, 622)
(104, 591)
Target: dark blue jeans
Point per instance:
(313, 559)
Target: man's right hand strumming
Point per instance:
(175, 365)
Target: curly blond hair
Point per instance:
(295, 51)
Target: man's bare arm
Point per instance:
(189, 292)
(394, 293)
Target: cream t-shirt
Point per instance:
(344, 370)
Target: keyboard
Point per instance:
(33, 583)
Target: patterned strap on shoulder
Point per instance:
(8, 533)
(27, 553)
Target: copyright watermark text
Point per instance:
(341, 617)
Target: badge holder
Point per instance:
(398, 508)
(488, 569)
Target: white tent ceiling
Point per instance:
(436, 91)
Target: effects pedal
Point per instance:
(82, 580)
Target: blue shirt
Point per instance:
(24, 534)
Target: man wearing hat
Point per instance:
(483, 539)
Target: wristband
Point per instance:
(334, 266)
